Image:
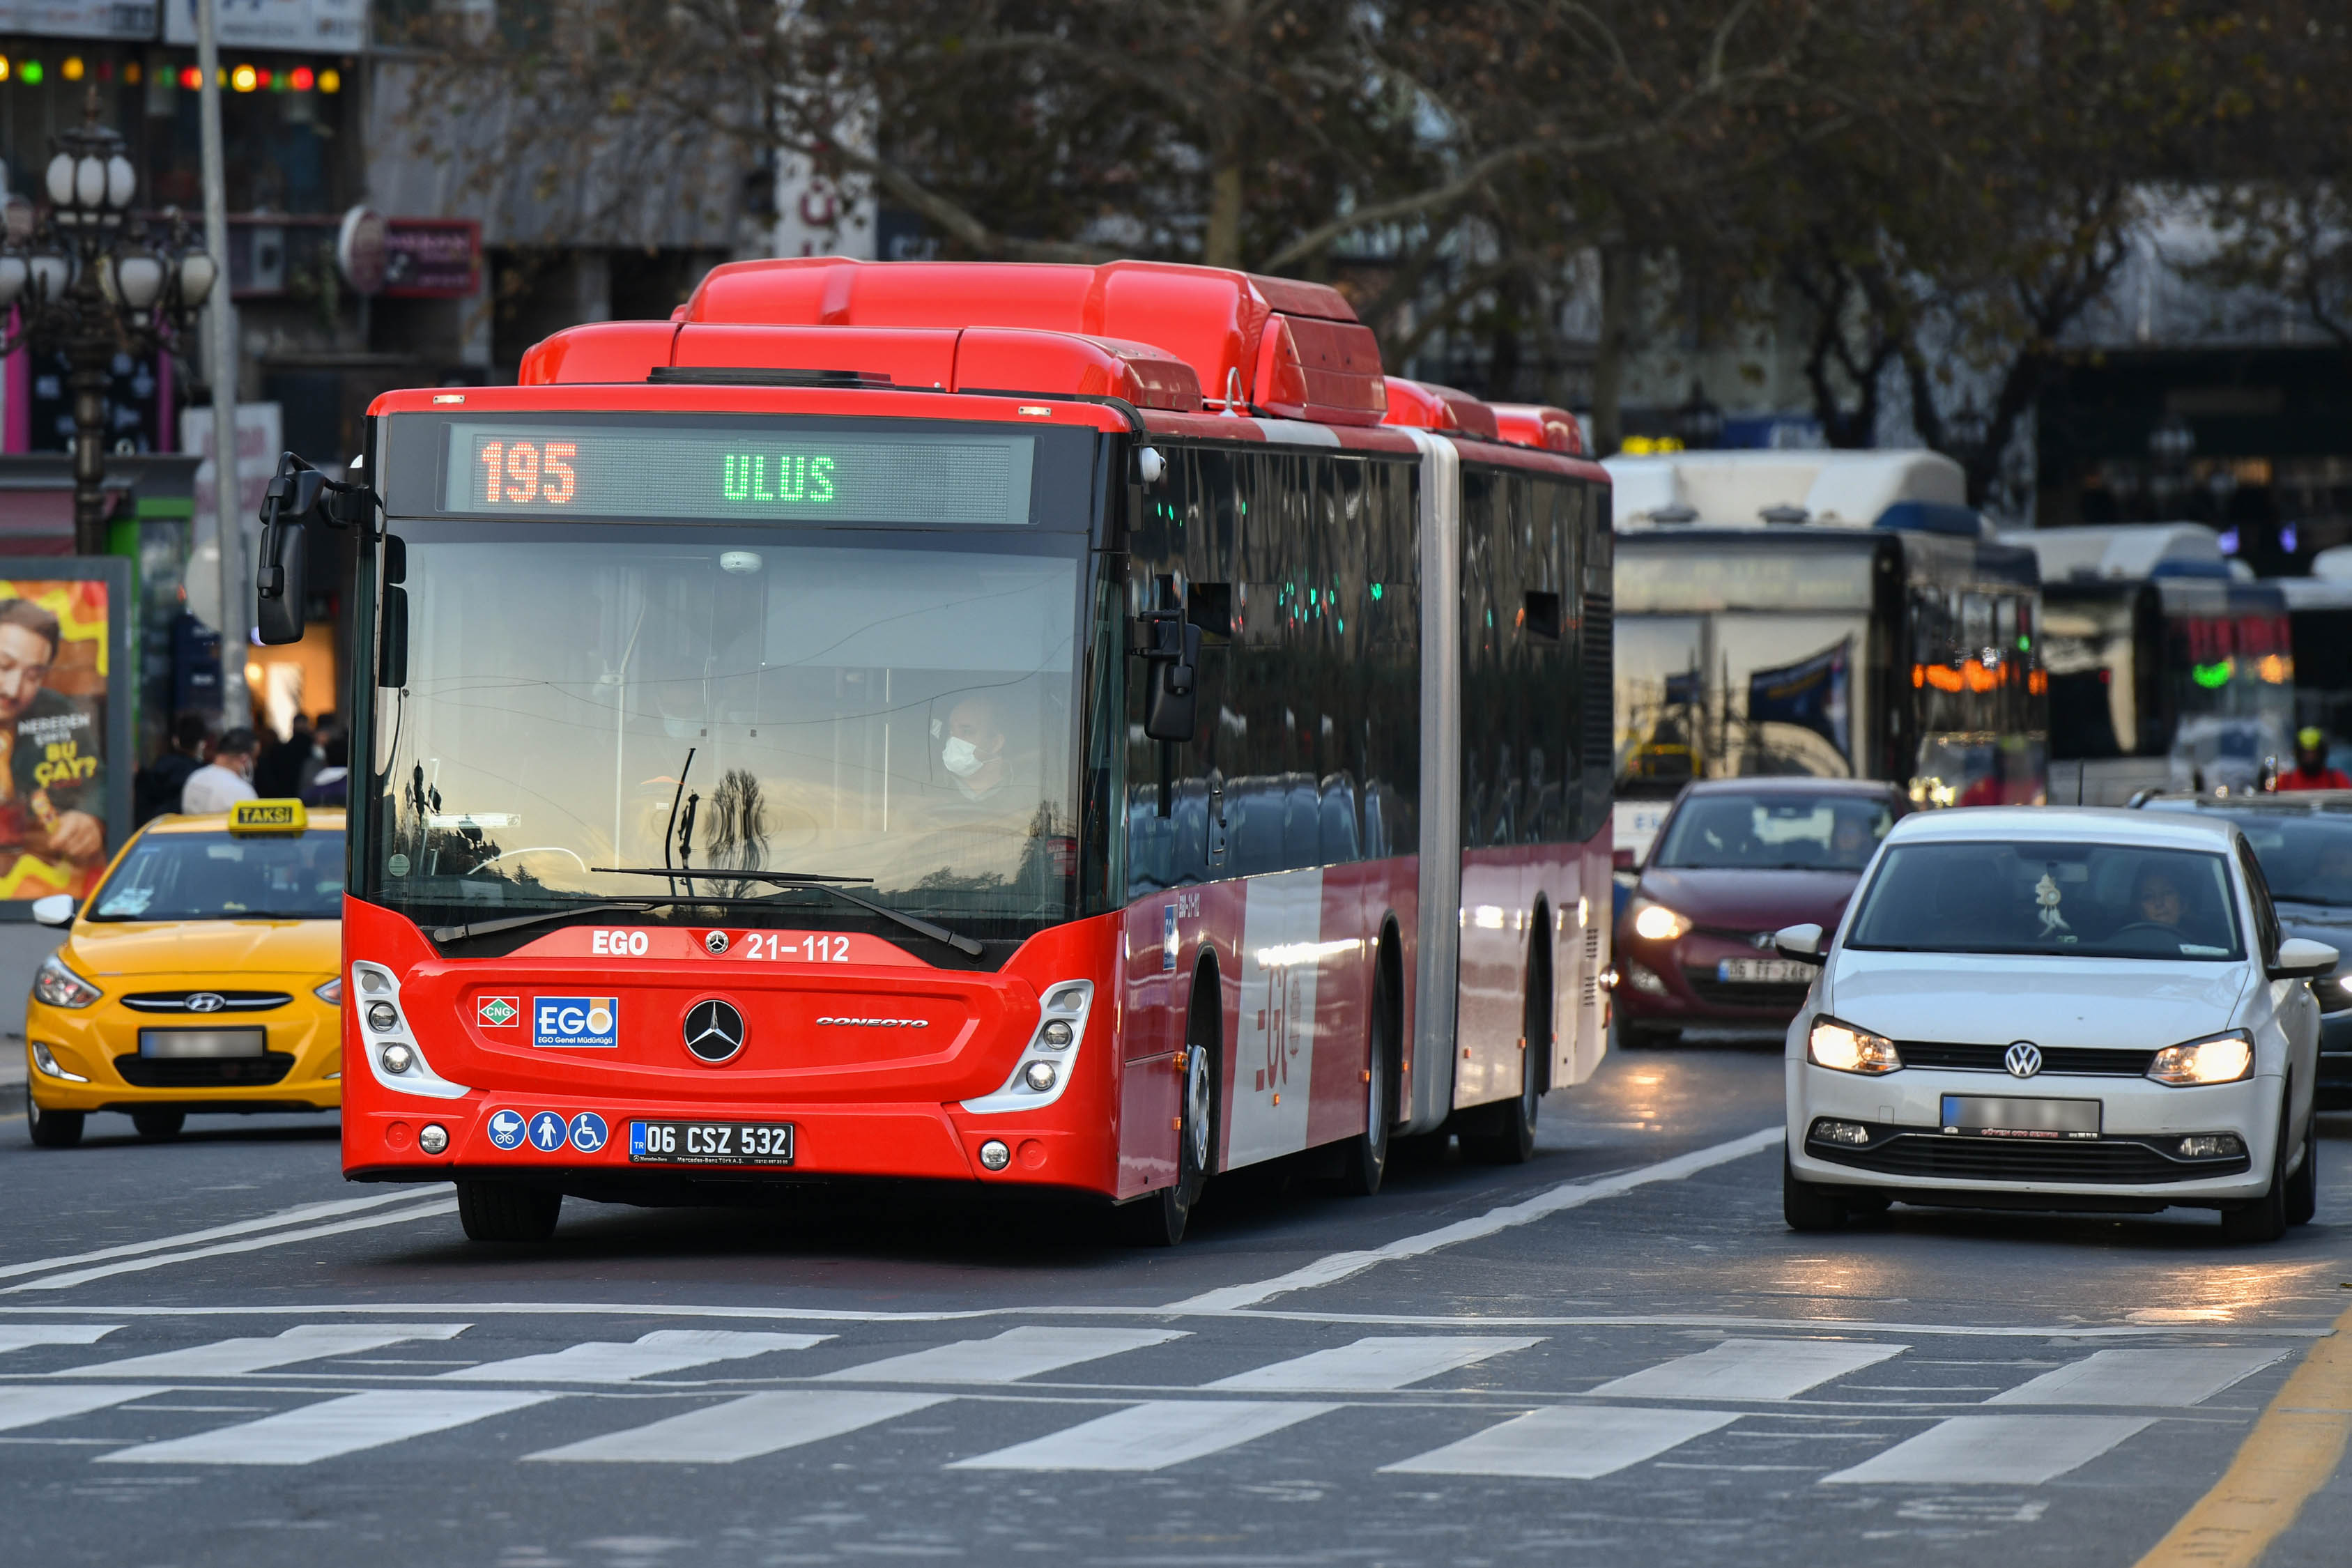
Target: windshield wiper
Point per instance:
(816, 882)
(444, 934)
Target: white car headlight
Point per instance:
(1655, 922)
(1845, 1048)
(2217, 1058)
(59, 986)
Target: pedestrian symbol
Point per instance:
(547, 1132)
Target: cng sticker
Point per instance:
(496, 1012)
(592, 1023)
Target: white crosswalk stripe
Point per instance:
(1150, 1437)
(333, 1426)
(1994, 1450)
(1750, 1369)
(747, 1427)
(23, 1336)
(664, 1349)
(2172, 1377)
(1014, 1354)
(1373, 1363)
(23, 1406)
(230, 1358)
(1567, 1442)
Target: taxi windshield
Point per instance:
(225, 877)
(2069, 900)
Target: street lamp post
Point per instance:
(89, 281)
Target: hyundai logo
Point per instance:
(714, 1030)
(206, 1002)
(1761, 941)
(2023, 1059)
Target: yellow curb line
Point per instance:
(2291, 1453)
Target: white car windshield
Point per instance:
(2073, 900)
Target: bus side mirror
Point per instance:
(1172, 652)
(281, 584)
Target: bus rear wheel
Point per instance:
(507, 1211)
(1505, 1133)
(1366, 1160)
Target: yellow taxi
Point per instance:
(202, 976)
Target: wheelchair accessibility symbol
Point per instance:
(588, 1132)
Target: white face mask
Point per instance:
(961, 757)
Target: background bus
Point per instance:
(2319, 611)
(1834, 614)
(1092, 786)
(2166, 669)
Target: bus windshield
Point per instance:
(894, 710)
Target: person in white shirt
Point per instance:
(226, 780)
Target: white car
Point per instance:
(2056, 1009)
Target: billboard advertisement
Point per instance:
(64, 724)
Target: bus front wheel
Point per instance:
(507, 1211)
(1158, 1219)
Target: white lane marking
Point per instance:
(20, 1336)
(609, 1361)
(299, 1215)
(1372, 1363)
(1338, 1265)
(2063, 1331)
(1149, 1437)
(233, 1358)
(220, 1249)
(28, 1406)
(745, 1428)
(1011, 1355)
(2140, 1377)
(1750, 1369)
(1994, 1450)
(1574, 1443)
(333, 1426)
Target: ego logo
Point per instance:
(591, 1023)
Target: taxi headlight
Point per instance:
(1846, 1048)
(59, 986)
(331, 992)
(1655, 922)
(2217, 1058)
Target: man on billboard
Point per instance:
(53, 784)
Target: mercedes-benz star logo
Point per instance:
(2023, 1059)
(206, 1002)
(714, 1030)
(716, 941)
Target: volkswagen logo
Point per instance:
(2023, 1059)
(714, 1030)
(206, 1002)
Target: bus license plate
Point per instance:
(710, 1142)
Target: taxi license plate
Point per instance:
(710, 1142)
(1987, 1116)
(1763, 972)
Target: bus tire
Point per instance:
(1158, 1219)
(51, 1129)
(1505, 1134)
(1366, 1158)
(507, 1211)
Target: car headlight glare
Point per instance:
(1655, 922)
(1845, 1048)
(59, 986)
(331, 992)
(2218, 1058)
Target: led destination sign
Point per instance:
(540, 470)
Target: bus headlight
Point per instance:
(1845, 1048)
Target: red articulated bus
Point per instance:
(1033, 726)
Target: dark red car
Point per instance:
(1736, 861)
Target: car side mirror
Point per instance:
(2299, 958)
(1803, 944)
(56, 909)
